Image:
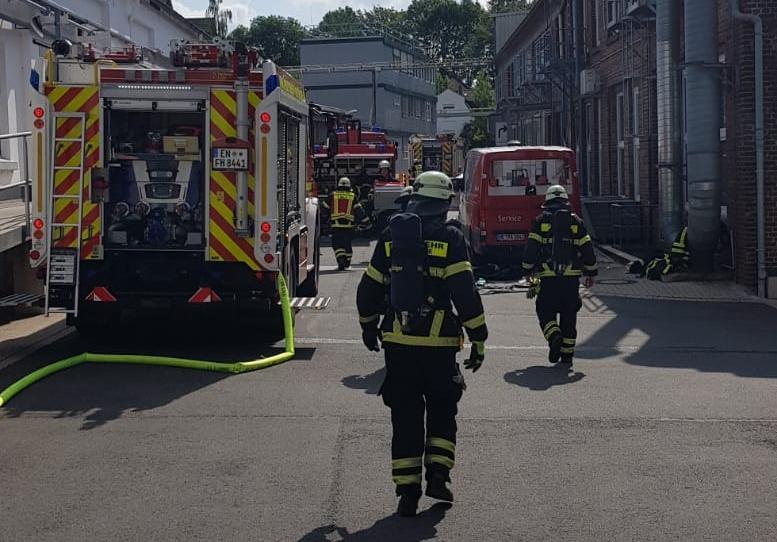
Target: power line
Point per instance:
(391, 66)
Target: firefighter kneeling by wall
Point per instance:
(558, 253)
(418, 273)
(343, 213)
(678, 259)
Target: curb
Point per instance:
(618, 255)
(57, 332)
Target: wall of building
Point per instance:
(741, 121)
(451, 102)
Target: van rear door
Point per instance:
(514, 192)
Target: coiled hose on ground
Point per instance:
(234, 368)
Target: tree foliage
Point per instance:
(221, 17)
(504, 6)
(341, 22)
(277, 38)
(476, 133)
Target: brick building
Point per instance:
(600, 77)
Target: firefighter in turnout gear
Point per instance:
(420, 282)
(558, 253)
(678, 259)
(343, 212)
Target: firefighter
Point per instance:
(404, 198)
(558, 253)
(343, 212)
(419, 273)
(384, 171)
(678, 259)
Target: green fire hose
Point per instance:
(234, 368)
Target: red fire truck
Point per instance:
(173, 186)
(353, 152)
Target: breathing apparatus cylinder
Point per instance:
(408, 255)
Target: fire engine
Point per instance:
(441, 153)
(170, 187)
(353, 152)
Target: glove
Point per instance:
(371, 337)
(476, 356)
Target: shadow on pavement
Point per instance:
(99, 393)
(735, 338)
(390, 528)
(542, 378)
(369, 383)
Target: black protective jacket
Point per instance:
(449, 283)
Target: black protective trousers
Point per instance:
(342, 239)
(420, 387)
(557, 306)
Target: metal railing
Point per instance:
(25, 182)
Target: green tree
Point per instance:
(441, 82)
(277, 38)
(476, 133)
(221, 17)
(387, 18)
(503, 6)
(341, 22)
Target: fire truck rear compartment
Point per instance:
(156, 179)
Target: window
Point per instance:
(405, 106)
(510, 85)
(397, 56)
(417, 104)
(533, 177)
(614, 12)
(635, 143)
(634, 117)
(428, 111)
(520, 70)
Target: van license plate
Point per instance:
(510, 237)
(236, 159)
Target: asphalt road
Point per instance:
(666, 429)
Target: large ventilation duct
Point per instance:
(702, 115)
(670, 188)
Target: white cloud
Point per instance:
(186, 10)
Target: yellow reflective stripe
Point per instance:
(458, 267)
(368, 319)
(570, 342)
(567, 349)
(440, 460)
(477, 321)
(441, 443)
(549, 325)
(575, 228)
(406, 462)
(545, 226)
(413, 340)
(437, 272)
(583, 240)
(407, 479)
(375, 275)
(527, 265)
(387, 247)
(593, 267)
(434, 331)
(571, 272)
(537, 237)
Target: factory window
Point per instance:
(428, 111)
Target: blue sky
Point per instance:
(306, 11)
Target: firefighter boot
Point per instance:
(409, 495)
(436, 488)
(342, 263)
(554, 350)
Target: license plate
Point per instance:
(236, 159)
(511, 237)
(63, 267)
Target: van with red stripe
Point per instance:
(171, 187)
(504, 188)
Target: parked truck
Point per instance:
(171, 187)
(437, 153)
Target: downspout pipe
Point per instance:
(702, 112)
(670, 188)
(759, 140)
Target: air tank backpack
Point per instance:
(562, 250)
(408, 259)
